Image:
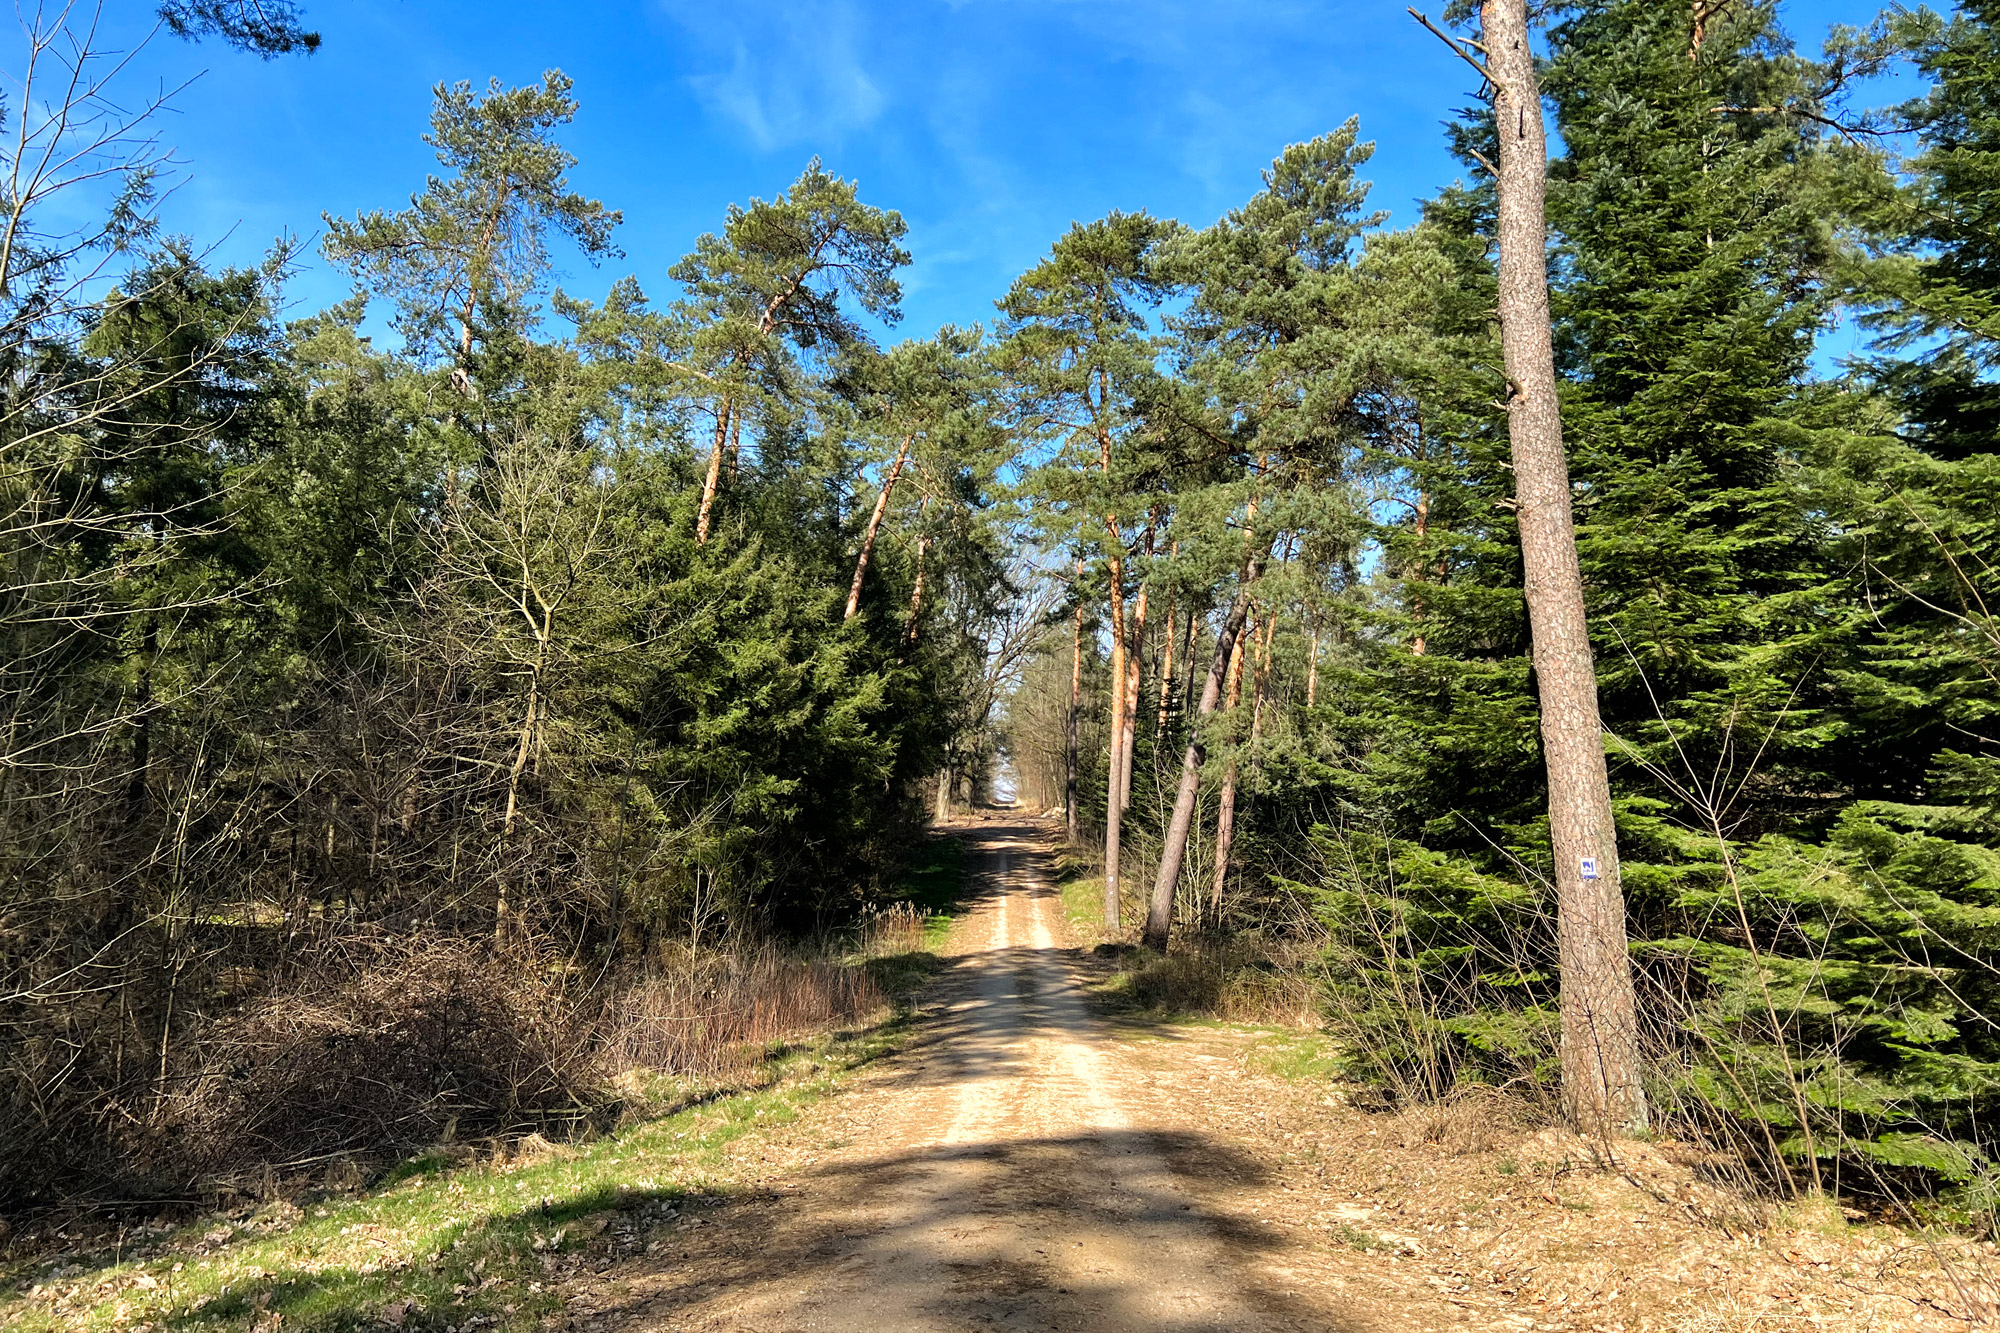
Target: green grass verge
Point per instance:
(434, 1243)
(1300, 1056)
(1083, 907)
(935, 885)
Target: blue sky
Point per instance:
(991, 124)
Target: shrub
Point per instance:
(374, 1048)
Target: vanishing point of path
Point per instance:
(1013, 1168)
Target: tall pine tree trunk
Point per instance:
(917, 588)
(1187, 653)
(1312, 667)
(1417, 605)
(1113, 804)
(874, 527)
(1135, 653)
(1600, 1048)
(1134, 670)
(1074, 721)
(1225, 805)
(1160, 912)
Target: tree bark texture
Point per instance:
(1600, 1051)
(1160, 912)
(1134, 670)
(1225, 805)
(1417, 607)
(874, 527)
(1113, 806)
(713, 480)
(1312, 669)
(1074, 720)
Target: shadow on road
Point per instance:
(1007, 1187)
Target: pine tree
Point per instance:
(1600, 1042)
(467, 257)
(768, 291)
(1081, 357)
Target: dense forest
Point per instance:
(462, 656)
(1292, 427)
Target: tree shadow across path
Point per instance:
(1005, 1170)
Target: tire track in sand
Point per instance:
(1008, 1175)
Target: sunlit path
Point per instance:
(1013, 1176)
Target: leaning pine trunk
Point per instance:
(714, 478)
(874, 527)
(1600, 1049)
(1160, 913)
(1114, 806)
(1225, 805)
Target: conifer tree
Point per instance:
(466, 257)
(1600, 1054)
(768, 290)
(1081, 357)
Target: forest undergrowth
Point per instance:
(469, 1204)
(1354, 999)
(1502, 638)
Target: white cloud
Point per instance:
(784, 72)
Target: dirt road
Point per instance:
(1026, 1164)
(1012, 1169)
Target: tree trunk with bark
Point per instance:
(1417, 607)
(713, 480)
(1160, 912)
(1600, 1050)
(1113, 805)
(1074, 721)
(524, 749)
(1225, 805)
(1312, 667)
(875, 526)
(917, 588)
(1135, 668)
(1187, 655)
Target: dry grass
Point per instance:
(374, 1049)
(369, 1048)
(1471, 1120)
(902, 928)
(708, 1015)
(1235, 981)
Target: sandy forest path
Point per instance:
(1029, 1161)
(1012, 1168)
